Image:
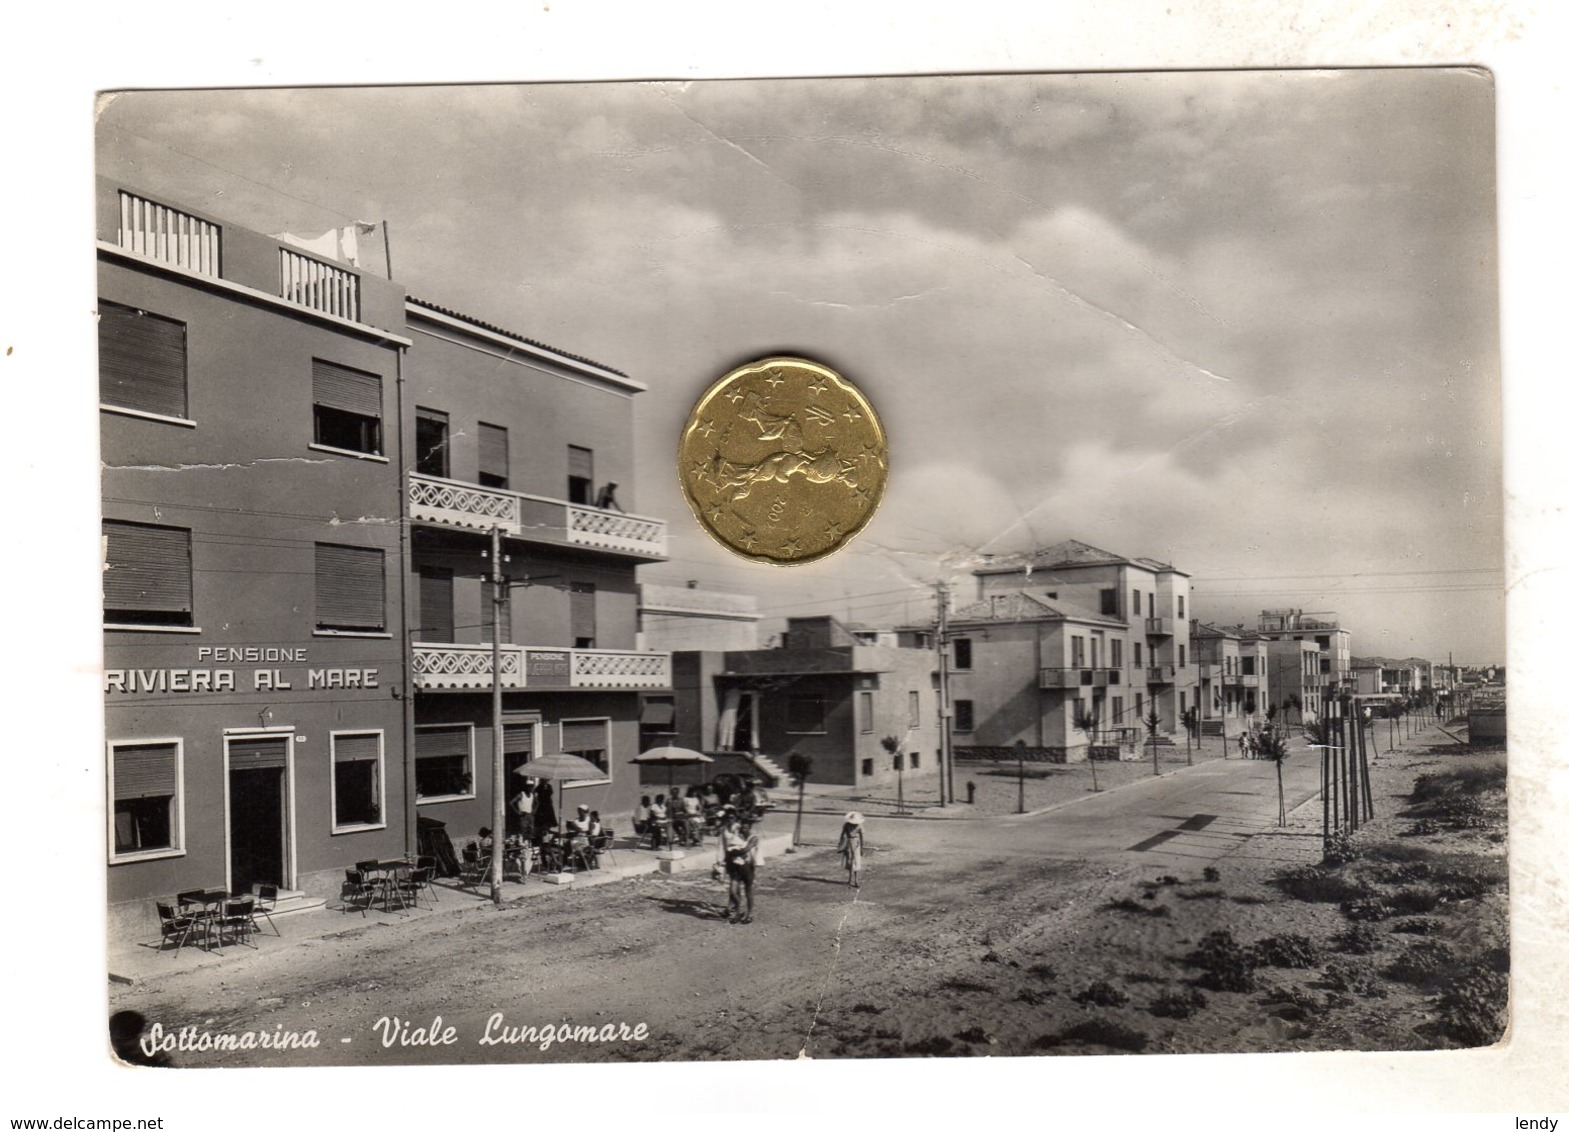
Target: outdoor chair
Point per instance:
(428, 864)
(266, 901)
(357, 890)
(177, 926)
(237, 922)
(605, 844)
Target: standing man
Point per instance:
(739, 845)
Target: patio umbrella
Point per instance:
(558, 767)
(670, 758)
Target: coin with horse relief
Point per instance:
(783, 461)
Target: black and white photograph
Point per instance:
(1158, 708)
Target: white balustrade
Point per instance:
(468, 667)
(320, 286)
(160, 232)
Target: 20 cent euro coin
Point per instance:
(783, 461)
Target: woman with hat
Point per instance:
(852, 843)
(738, 845)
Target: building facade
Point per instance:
(1233, 679)
(303, 474)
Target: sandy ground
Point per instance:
(951, 948)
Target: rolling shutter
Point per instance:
(658, 715)
(141, 361)
(149, 568)
(356, 748)
(582, 610)
(584, 735)
(435, 604)
(149, 771)
(493, 453)
(350, 588)
(338, 387)
(441, 742)
(580, 462)
(517, 739)
(258, 754)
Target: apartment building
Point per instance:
(304, 471)
(1334, 644)
(1233, 678)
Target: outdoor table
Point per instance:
(205, 905)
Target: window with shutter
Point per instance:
(432, 451)
(147, 574)
(347, 408)
(351, 589)
(580, 475)
(587, 739)
(494, 456)
(141, 361)
(442, 754)
(964, 715)
(145, 788)
(584, 617)
(437, 623)
(356, 780)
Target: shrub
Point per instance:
(1227, 965)
(1371, 908)
(1301, 1004)
(1211, 874)
(1286, 951)
(1178, 1004)
(934, 1046)
(1319, 886)
(1353, 978)
(1043, 971)
(1104, 1032)
(1133, 907)
(1415, 927)
(974, 1034)
(1423, 964)
(1472, 1012)
(1412, 901)
(1101, 993)
(1359, 939)
(1340, 847)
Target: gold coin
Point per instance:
(783, 461)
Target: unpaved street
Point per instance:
(964, 938)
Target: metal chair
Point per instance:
(605, 844)
(177, 926)
(237, 921)
(429, 865)
(266, 901)
(356, 889)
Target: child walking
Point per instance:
(852, 843)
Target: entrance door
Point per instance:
(258, 812)
(746, 729)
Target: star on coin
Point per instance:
(716, 513)
(701, 473)
(851, 415)
(735, 395)
(748, 539)
(775, 379)
(792, 548)
(818, 386)
(706, 428)
(833, 532)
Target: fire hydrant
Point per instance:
(970, 789)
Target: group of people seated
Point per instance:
(684, 819)
(577, 843)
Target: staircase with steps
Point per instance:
(291, 901)
(774, 774)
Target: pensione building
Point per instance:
(303, 473)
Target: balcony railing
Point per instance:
(532, 517)
(160, 232)
(1158, 626)
(1160, 674)
(320, 286)
(1079, 677)
(468, 668)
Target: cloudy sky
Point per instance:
(1242, 322)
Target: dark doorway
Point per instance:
(258, 830)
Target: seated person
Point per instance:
(551, 852)
(579, 824)
(676, 809)
(659, 821)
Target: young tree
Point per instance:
(1272, 746)
(800, 768)
(1152, 721)
(1190, 724)
(891, 745)
(1087, 721)
(1293, 704)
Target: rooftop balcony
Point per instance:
(462, 668)
(1053, 678)
(534, 518)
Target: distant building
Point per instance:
(823, 694)
(1233, 676)
(1334, 648)
(1069, 629)
(691, 618)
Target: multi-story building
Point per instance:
(822, 694)
(519, 444)
(1091, 610)
(1233, 678)
(253, 568)
(303, 474)
(1334, 644)
(689, 618)
(1296, 669)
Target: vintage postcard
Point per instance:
(1157, 706)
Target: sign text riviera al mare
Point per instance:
(212, 679)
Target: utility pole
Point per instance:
(944, 707)
(498, 770)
